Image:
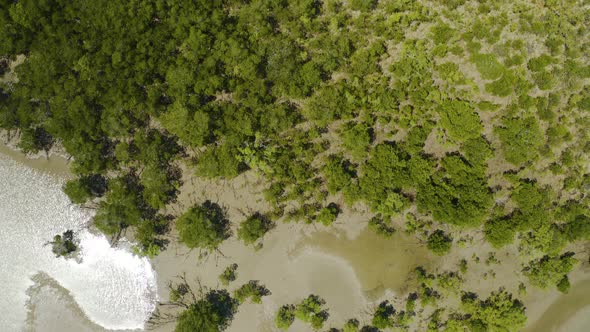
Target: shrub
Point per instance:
(356, 138)
(500, 231)
(363, 5)
(381, 227)
(338, 172)
(253, 290)
(504, 86)
(488, 66)
(285, 317)
(564, 285)
(550, 271)
(328, 214)
(254, 228)
(382, 318)
(203, 226)
(499, 312)
(439, 242)
(311, 311)
(228, 275)
(213, 313)
(521, 139)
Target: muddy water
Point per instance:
(111, 286)
(570, 312)
(378, 263)
(54, 166)
(349, 272)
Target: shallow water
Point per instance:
(570, 312)
(118, 290)
(379, 263)
(114, 288)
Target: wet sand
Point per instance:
(349, 266)
(52, 308)
(566, 312)
(54, 165)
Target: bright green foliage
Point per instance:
(219, 161)
(381, 226)
(463, 266)
(254, 228)
(229, 274)
(121, 209)
(564, 285)
(285, 317)
(386, 316)
(544, 80)
(450, 281)
(460, 120)
(356, 138)
(338, 172)
(365, 61)
(352, 325)
(456, 194)
(192, 128)
(428, 296)
(441, 33)
(328, 215)
(534, 205)
(149, 234)
(521, 139)
(35, 140)
(477, 151)
(578, 229)
(382, 318)
(413, 76)
(329, 103)
(253, 290)
(411, 302)
(416, 138)
(499, 312)
(213, 313)
(363, 5)
(550, 270)
(84, 188)
(505, 85)
(203, 226)
(311, 311)
(500, 231)
(439, 242)
(488, 66)
(451, 73)
(389, 170)
(539, 63)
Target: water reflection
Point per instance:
(113, 287)
(379, 263)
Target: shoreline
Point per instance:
(286, 247)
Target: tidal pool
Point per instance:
(114, 288)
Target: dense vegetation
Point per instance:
(451, 120)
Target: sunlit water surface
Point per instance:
(115, 289)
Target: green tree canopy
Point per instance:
(499, 312)
(439, 242)
(203, 226)
(254, 228)
(213, 313)
(521, 139)
(550, 270)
